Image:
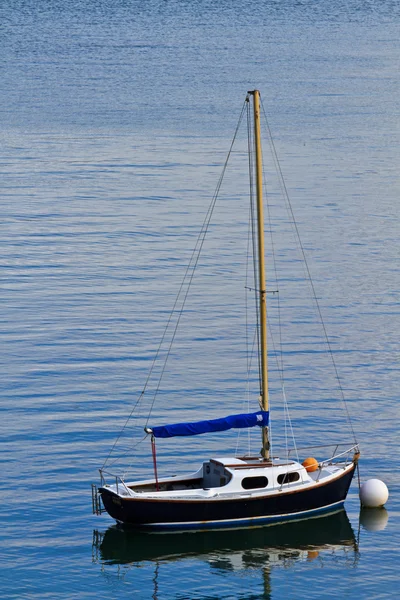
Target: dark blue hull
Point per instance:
(217, 512)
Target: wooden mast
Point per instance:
(261, 274)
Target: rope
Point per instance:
(129, 450)
(187, 280)
(194, 261)
(358, 478)
(122, 430)
(278, 352)
(287, 198)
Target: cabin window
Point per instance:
(288, 478)
(252, 483)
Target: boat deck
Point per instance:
(168, 486)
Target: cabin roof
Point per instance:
(228, 461)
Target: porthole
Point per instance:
(252, 483)
(288, 477)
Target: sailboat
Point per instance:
(233, 491)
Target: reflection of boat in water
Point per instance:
(230, 549)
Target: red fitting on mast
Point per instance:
(153, 451)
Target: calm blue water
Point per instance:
(115, 120)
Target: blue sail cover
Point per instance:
(259, 418)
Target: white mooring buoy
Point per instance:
(373, 493)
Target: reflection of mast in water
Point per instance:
(262, 548)
(155, 581)
(267, 582)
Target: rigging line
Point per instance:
(278, 352)
(286, 194)
(285, 402)
(246, 401)
(122, 430)
(250, 143)
(121, 455)
(251, 244)
(129, 450)
(195, 257)
(185, 281)
(250, 360)
(247, 286)
(286, 405)
(274, 262)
